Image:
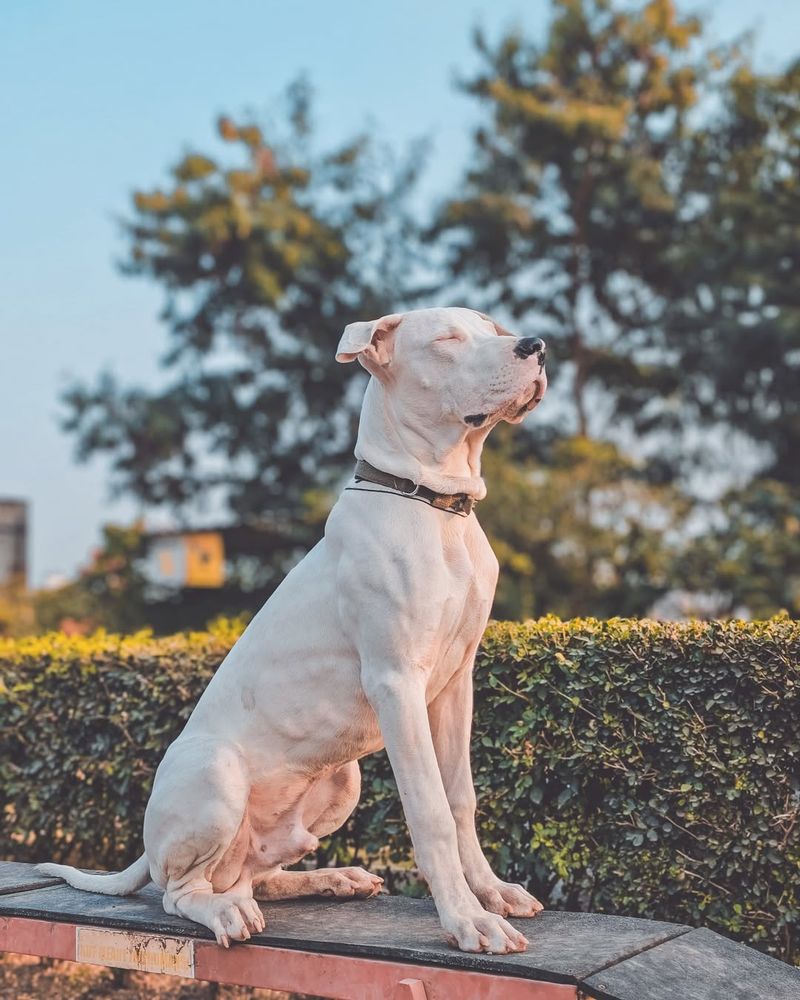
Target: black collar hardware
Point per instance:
(456, 503)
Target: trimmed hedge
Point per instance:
(628, 766)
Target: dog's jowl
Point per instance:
(368, 642)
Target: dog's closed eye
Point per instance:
(451, 337)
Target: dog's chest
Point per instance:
(464, 611)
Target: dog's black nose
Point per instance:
(527, 346)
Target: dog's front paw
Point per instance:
(508, 899)
(482, 931)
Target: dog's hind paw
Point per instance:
(348, 882)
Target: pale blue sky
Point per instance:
(99, 97)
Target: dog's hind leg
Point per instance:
(326, 806)
(197, 836)
(330, 800)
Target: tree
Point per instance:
(734, 326)
(632, 199)
(567, 213)
(569, 207)
(733, 322)
(263, 261)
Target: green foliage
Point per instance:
(85, 723)
(734, 317)
(733, 323)
(752, 553)
(583, 533)
(264, 253)
(625, 766)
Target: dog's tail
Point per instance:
(114, 884)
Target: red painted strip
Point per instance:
(344, 977)
(37, 937)
(341, 977)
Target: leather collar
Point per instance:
(456, 503)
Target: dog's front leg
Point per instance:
(451, 722)
(397, 696)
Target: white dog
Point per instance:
(368, 642)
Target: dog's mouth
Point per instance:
(531, 402)
(513, 412)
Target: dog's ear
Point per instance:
(500, 330)
(371, 342)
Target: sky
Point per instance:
(100, 98)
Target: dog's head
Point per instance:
(451, 364)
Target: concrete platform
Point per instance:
(389, 946)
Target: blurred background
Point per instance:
(196, 198)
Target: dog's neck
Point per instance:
(446, 459)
